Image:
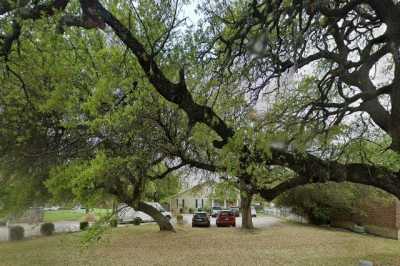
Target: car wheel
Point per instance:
(234, 225)
(137, 221)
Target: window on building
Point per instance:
(177, 203)
(196, 203)
(183, 203)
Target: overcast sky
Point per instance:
(190, 13)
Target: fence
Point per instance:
(285, 213)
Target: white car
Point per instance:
(161, 209)
(215, 210)
(53, 208)
(253, 211)
(127, 214)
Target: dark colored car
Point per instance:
(200, 219)
(235, 211)
(226, 218)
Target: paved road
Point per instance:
(3, 233)
(34, 230)
(63, 227)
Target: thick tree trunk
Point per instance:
(162, 221)
(245, 205)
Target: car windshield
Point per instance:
(225, 213)
(200, 214)
(217, 208)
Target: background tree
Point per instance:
(225, 191)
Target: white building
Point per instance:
(199, 197)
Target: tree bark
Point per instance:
(245, 205)
(311, 169)
(162, 221)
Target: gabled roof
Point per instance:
(195, 188)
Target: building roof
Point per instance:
(195, 188)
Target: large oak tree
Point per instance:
(249, 47)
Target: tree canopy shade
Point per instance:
(87, 99)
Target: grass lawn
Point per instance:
(62, 215)
(70, 215)
(285, 244)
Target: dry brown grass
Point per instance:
(286, 244)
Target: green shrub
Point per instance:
(324, 203)
(321, 203)
(320, 216)
(16, 233)
(190, 210)
(114, 222)
(47, 229)
(83, 225)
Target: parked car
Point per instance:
(235, 211)
(127, 214)
(215, 210)
(201, 219)
(226, 218)
(159, 207)
(53, 208)
(79, 208)
(253, 211)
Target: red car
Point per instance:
(226, 218)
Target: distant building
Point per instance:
(199, 197)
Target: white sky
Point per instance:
(190, 13)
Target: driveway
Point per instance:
(258, 222)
